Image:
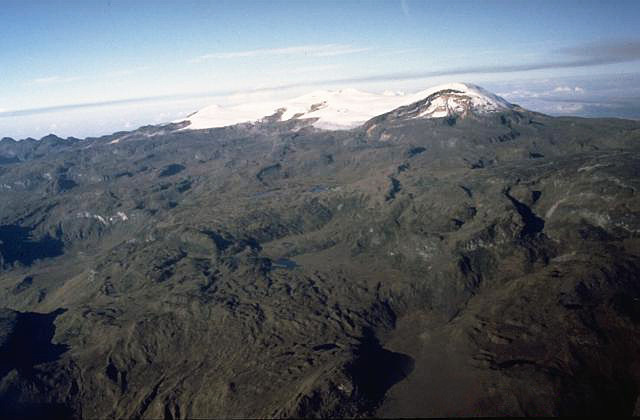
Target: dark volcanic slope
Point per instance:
(485, 265)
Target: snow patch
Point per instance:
(118, 217)
(592, 167)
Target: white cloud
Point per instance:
(401, 52)
(323, 50)
(520, 93)
(311, 69)
(566, 108)
(127, 72)
(558, 91)
(44, 80)
(340, 50)
(568, 89)
(54, 79)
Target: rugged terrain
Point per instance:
(475, 264)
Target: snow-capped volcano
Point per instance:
(349, 108)
(457, 99)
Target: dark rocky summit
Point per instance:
(477, 265)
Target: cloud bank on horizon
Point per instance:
(89, 68)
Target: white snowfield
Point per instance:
(349, 108)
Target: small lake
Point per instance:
(284, 263)
(319, 189)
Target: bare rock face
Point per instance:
(477, 263)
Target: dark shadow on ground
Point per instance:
(18, 245)
(376, 369)
(25, 342)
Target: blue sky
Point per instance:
(93, 67)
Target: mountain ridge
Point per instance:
(349, 108)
